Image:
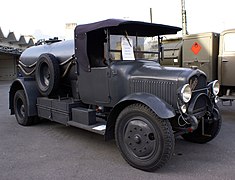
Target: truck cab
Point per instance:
(109, 81)
(226, 64)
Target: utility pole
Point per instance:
(151, 15)
(184, 18)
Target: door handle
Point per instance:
(224, 60)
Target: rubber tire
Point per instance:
(47, 74)
(20, 109)
(211, 129)
(156, 137)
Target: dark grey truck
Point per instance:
(108, 80)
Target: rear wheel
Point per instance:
(20, 108)
(146, 142)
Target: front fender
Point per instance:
(31, 92)
(158, 106)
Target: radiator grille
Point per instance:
(198, 85)
(198, 82)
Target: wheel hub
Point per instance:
(46, 76)
(139, 138)
(22, 110)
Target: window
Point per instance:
(95, 48)
(229, 40)
(143, 47)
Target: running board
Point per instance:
(98, 128)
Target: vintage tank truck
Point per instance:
(108, 80)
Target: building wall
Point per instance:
(10, 50)
(8, 70)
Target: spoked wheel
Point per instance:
(20, 108)
(146, 142)
(47, 74)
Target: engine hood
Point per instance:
(154, 71)
(164, 82)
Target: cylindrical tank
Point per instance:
(51, 72)
(62, 50)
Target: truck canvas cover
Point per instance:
(117, 26)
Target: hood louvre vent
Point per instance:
(163, 89)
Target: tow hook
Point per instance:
(194, 123)
(216, 114)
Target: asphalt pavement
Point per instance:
(53, 151)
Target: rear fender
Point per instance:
(158, 106)
(31, 92)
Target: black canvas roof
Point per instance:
(89, 34)
(118, 26)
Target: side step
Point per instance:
(86, 119)
(98, 128)
(70, 112)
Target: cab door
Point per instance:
(227, 59)
(94, 86)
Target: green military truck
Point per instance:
(210, 52)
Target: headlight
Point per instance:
(186, 93)
(215, 87)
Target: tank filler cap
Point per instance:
(52, 40)
(49, 41)
(194, 67)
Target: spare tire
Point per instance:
(47, 74)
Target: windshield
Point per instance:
(124, 47)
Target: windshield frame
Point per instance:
(109, 50)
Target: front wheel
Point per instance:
(20, 109)
(145, 141)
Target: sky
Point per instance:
(47, 18)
